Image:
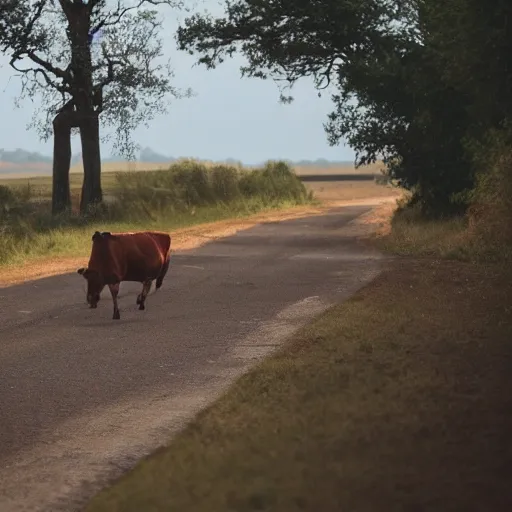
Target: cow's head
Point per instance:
(97, 279)
(95, 284)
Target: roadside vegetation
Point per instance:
(482, 234)
(187, 193)
(399, 398)
(417, 84)
(395, 400)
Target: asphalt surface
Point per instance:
(83, 396)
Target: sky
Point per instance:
(228, 117)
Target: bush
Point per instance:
(163, 199)
(192, 182)
(226, 182)
(484, 232)
(189, 184)
(275, 182)
(490, 214)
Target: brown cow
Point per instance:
(116, 257)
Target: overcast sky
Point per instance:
(228, 117)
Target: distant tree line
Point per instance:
(424, 85)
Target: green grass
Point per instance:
(397, 400)
(187, 193)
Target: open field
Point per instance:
(64, 250)
(188, 193)
(144, 166)
(41, 186)
(396, 400)
(350, 190)
(41, 173)
(192, 194)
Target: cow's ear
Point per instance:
(82, 271)
(96, 235)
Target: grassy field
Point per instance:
(144, 166)
(40, 185)
(14, 171)
(184, 195)
(397, 400)
(350, 190)
(459, 238)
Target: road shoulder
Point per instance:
(397, 399)
(182, 239)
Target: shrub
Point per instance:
(225, 180)
(275, 182)
(192, 182)
(490, 214)
(163, 198)
(189, 184)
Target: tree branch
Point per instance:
(110, 72)
(64, 88)
(58, 72)
(115, 16)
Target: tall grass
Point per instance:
(482, 234)
(413, 235)
(187, 193)
(490, 215)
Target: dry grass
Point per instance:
(339, 169)
(186, 194)
(403, 231)
(182, 239)
(351, 190)
(62, 250)
(444, 239)
(41, 183)
(396, 401)
(325, 191)
(144, 166)
(43, 170)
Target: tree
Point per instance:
(473, 40)
(390, 97)
(88, 60)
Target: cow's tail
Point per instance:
(165, 267)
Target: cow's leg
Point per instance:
(146, 286)
(114, 290)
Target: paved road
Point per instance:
(83, 396)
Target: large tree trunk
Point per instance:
(78, 14)
(91, 188)
(61, 197)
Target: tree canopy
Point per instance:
(87, 59)
(407, 77)
(125, 46)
